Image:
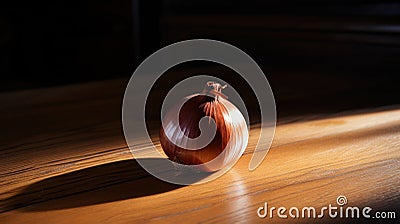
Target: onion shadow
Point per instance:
(100, 184)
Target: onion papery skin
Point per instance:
(230, 139)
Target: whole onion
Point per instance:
(226, 146)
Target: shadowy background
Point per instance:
(329, 51)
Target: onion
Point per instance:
(226, 146)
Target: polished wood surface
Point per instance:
(63, 159)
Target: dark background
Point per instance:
(338, 54)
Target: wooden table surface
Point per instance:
(63, 159)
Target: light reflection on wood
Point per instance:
(87, 175)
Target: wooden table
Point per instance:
(63, 159)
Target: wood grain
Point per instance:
(63, 159)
